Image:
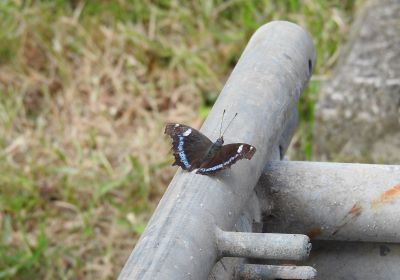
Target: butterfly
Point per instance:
(195, 151)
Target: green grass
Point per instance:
(85, 89)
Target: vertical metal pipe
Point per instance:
(179, 240)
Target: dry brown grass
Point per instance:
(85, 90)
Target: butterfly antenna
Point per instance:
(230, 123)
(222, 121)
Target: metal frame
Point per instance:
(211, 227)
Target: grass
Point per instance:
(85, 90)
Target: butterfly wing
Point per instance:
(227, 156)
(189, 145)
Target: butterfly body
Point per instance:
(215, 147)
(194, 151)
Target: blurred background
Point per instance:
(86, 88)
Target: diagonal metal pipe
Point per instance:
(179, 241)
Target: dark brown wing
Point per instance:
(227, 156)
(189, 145)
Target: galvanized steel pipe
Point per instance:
(179, 241)
(272, 246)
(335, 201)
(270, 272)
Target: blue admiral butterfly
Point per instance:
(194, 151)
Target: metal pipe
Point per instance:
(273, 246)
(335, 201)
(179, 240)
(256, 271)
(288, 133)
(225, 267)
(355, 260)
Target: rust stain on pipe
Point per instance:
(353, 213)
(314, 233)
(386, 196)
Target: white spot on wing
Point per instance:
(251, 147)
(240, 148)
(176, 125)
(187, 132)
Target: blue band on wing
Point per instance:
(219, 166)
(182, 155)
